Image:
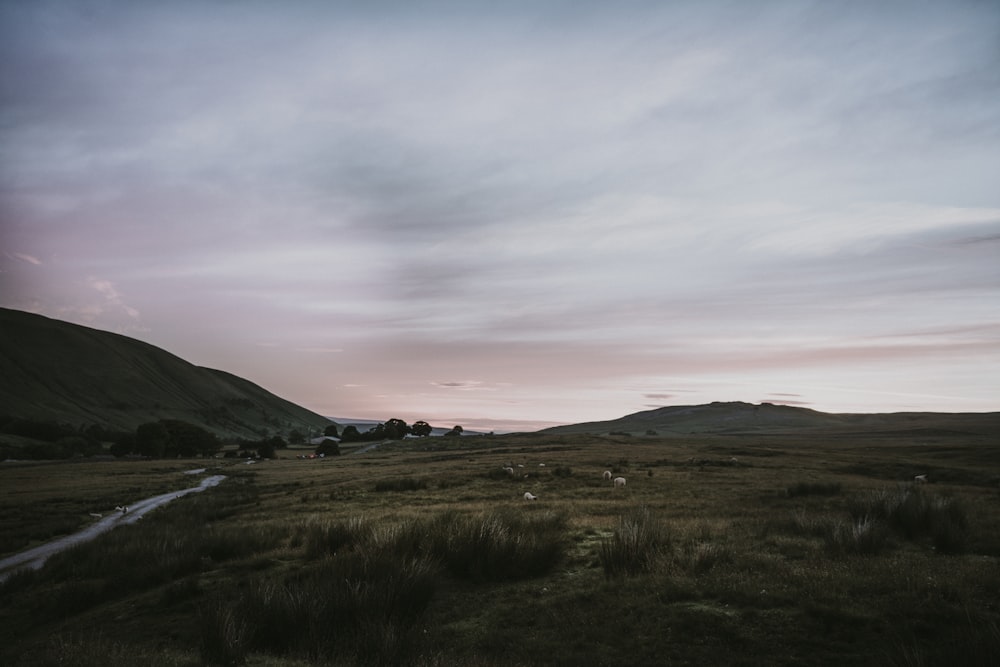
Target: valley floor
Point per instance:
(736, 550)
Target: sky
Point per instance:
(509, 215)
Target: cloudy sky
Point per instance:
(514, 214)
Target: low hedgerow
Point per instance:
(638, 544)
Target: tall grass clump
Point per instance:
(400, 484)
(361, 605)
(638, 544)
(326, 538)
(976, 644)
(917, 515)
(812, 489)
(497, 546)
(863, 537)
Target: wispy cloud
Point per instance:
(577, 209)
(27, 258)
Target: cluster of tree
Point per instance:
(169, 438)
(265, 448)
(393, 429)
(56, 440)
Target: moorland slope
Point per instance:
(56, 371)
(747, 418)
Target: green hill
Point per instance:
(56, 371)
(746, 418)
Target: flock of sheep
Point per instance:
(619, 482)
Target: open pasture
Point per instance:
(754, 550)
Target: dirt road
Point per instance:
(36, 557)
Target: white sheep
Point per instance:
(619, 481)
(509, 470)
(607, 475)
(528, 495)
(920, 479)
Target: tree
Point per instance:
(328, 447)
(331, 431)
(421, 429)
(187, 439)
(151, 439)
(350, 434)
(396, 429)
(455, 431)
(296, 437)
(265, 449)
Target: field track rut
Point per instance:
(35, 557)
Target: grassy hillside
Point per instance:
(56, 371)
(736, 417)
(720, 550)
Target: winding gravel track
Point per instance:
(36, 557)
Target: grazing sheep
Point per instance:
(920, 479)
(607, 475)
(530, 496)
(509, 471)
(619, 481)
(122, 508)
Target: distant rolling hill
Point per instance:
(56, 371)
(741, 418)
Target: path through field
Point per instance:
(36, 557)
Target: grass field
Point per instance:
(721, 550)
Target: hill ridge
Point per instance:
(734, 417)
(53, 370)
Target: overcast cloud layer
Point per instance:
(507, 215)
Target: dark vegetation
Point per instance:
(53, 371)
(429, 556)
